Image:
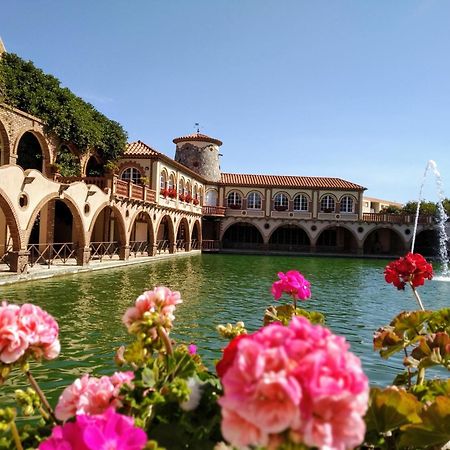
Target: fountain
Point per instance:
(442, 219)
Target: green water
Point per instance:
(215, 289)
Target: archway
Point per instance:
(384, 241)
(336, 240)
(182, 241)
(142, 235)
(10, 239)
(242, 235)
(68, 164)
(196, 243)
(289, 238)
(165, 237)
(427, 243)
(94, 167)
(4, 145)
(29, 152)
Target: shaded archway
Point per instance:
(242, 235)
(336, 240)
(196, 242)
(94, 167)
(142, 236)
(289, 238)
(427, 243)
(183, 238)
(29, 152)
(4, 145)
(165, 236)
(384, 241)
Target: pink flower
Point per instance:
(90, 395)
(107, 431)
(192, 349)
(292, 283)
(299, 379)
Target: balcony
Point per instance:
(213, 211)
(403, 219)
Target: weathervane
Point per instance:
(197, 125)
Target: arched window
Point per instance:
(347, 204)
(195, 192)
(211, 198)
(171, 182)
(254, 200)
(234, 200)
(181, 186)
(131, 174)
(187, 188)
(280, 202)
(162, 182)
(327, 204)
(300, 203)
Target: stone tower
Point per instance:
(199, 153)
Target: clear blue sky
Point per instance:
(354, 89)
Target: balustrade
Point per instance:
(52, 253)
(100, 250)
(139, 248)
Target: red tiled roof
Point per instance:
(139, 148)
(286, 181)
(197, 137)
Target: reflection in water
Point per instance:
(215, 289)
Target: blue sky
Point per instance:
(355, 89)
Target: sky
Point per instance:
(355, 89)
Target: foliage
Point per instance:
(391, 209)
(66, 115)
(67, 164)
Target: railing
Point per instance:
(213, 211)
(134, 191)
(180, 244)
(396, 218)
(210, 244)
(121, 188)
(48, 254)
(162, 246)
(101, 182)
(4, 257)
(100, 250)
(195, 244)
(139, 248)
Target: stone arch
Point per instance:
(384, 241)
(4, 145)
(289, 237)
(28, 141)
(12, 222)
(336, 239)
(142, 234)
(94, 166)
(183, 238)
(196, 235)
(165, 234)
(242, 235)
(427, 243)
(101, 228)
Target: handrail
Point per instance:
(140, 247)
(396, 218)
(162, 246)
(102, 249)
(4, 257)
(48, 253)
(213, 210)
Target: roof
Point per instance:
(139, 148)
(197, 137)
(379, 200)
(286, 181)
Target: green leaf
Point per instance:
(148, 377)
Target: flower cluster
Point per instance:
(413, 269)
(292, 384)
(27, 330)
(91, 395)
(109, 430)
(292, 283)
(153, 309)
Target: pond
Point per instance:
(215, 289)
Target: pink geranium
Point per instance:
(299, 381)
(107, 431)
(91, 395)
(292, 283)
(27, 330)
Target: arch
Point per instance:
(142, 234)
(242, 235)
(11, 221)
(5, 146)
(211, 197)
(171, 181)
(254, 200)
(131, 173)
(234, 199)
(32, 151)
(327, 203)
(165, 235)
(347, 204)
(301, 202)
(337, 239)
(289, 237)
(163, 176)
(67, 162)
(196, 236)
(281, 201)
(427, 243)
(95, 166)
(102, 229)
(384, 241)
(183, 239)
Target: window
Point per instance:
(280, 202)
(187, 188)
(171, 182)
(131, 174)
(347, 204)
(234, 200)
(254, 200)
(300, 203)
(327, 204)
(162, 181)
(181, 187)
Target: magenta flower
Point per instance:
(298, 381)
(107, 431)
(292, 283)
(192, 349)
(90, 395)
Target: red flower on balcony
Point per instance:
(188, 198)
(165, 192)
(413, 269)
(196, 201)
(181, 197)
(172, 193)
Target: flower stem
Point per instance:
(15, 435)
(41, 395)
(421, 376)
(416, 294)
(166, 340)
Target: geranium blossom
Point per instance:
(91, 395)
(27, 330)
(299, 379)
(413, 268)
(292, 283)
(107, 431)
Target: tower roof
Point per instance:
(2, 47)
(197, 137)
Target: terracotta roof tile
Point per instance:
(139, 148)
(286, 181)
(197, 137)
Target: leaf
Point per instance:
(148, 378)
(391, 408)
(284, 314)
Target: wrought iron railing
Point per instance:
(139, 248)
(180, 244)
(195, 244)
(162, 246)
(100, 250)
(50, 253)
(210, 244)
(4, 254)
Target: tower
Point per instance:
(199, 153)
